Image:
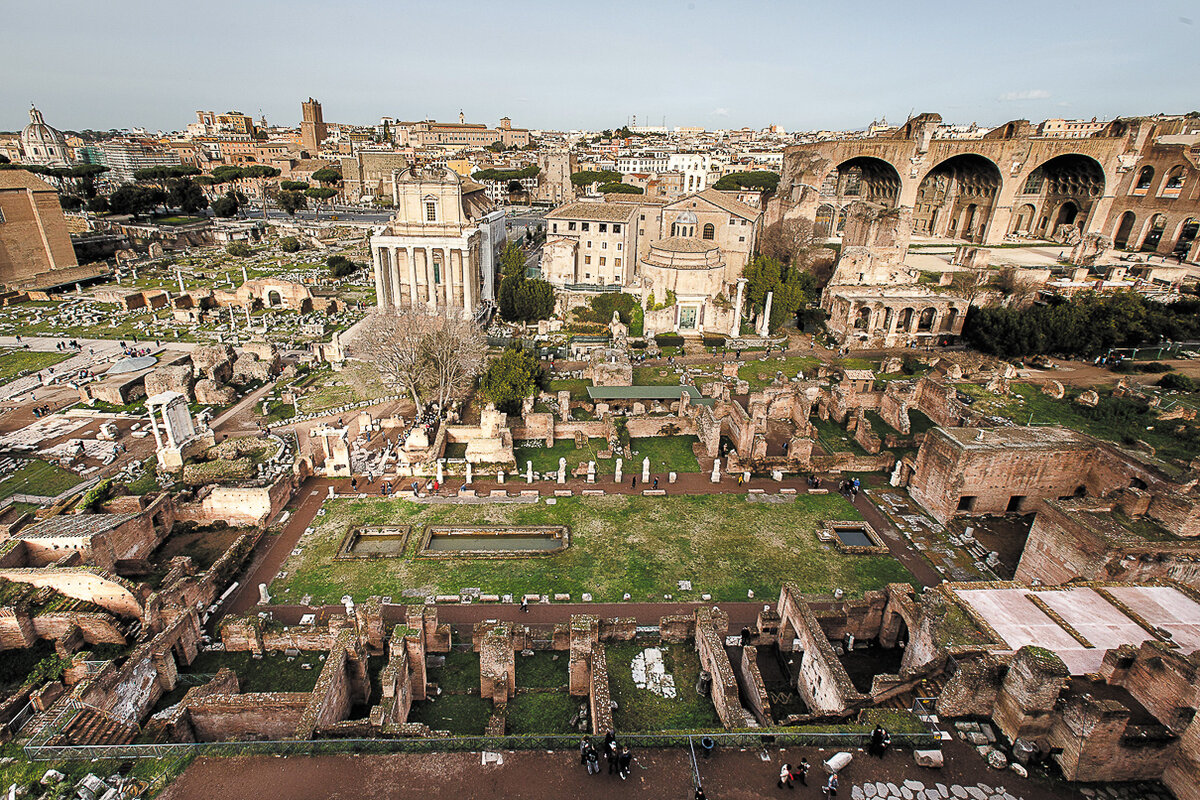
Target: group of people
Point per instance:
(620, 760)
(42, 411)
(790, 775)
(850, 487)
(813, 482)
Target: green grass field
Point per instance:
(761, 374)
(642, 710)
(40, 478)
(723, 544)
(16, 362)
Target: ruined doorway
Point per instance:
(1067, 213)
(274, 299)
(1154, 235)
(1187, 235)
(1124, 229)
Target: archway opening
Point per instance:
(1154, 234)
(862, 320)
(1073, 178)
(1024, 218)
(274, 299)
(1068, 212)
(1187, 235)
(956, 198)
(823, 223)
(925, 323)
(1124, 229)
(866, 178)
(1144, 179)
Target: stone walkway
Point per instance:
(949, 556)
(916, 790)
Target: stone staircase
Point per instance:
(92, 726)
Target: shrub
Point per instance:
(239, 249)
(1178, 383)
(669, 340)
(714, 341)
(289, 244)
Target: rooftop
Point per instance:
(600, 212)
(20, 179)
(1080, 623)
(1049, 437)
(647, 393)
(76, 525)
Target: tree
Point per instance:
(762, 180)
(97, 204)
(535, 300)
(227, 174)
(135, 200)
(226, 206)
(293, 186)
(289, 244)
(340, 266)
(791, 288)
(291, 202)
(70, 202)
(588, 177)
(512, 260)
(327, 176)
(616, 187)
(320, 194)
(260, 173)
(239, 249)
(511, 378)
(790, 241)
(431, 356)
(187, 196)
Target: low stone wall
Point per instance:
(599, 698)
(247, 717)
(710, 644)
(751, 683)
(109, 593)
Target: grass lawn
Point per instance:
(666, 454)
(544, 669)
(834, 438)
(545, 459)
(642, 710)
(724, 544)
(271, 673)
(1113, 420)
(40, 478)
(761, 374)
(461, 714)
(649, 376)
(576, 386)
(542, 712)
(357, 381)
(16, 362)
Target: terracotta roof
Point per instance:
(684, 244)
(602, 212)
(725, 203)
(20, 179)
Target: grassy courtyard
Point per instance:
(723, 544)
(640, 709)
(40, 478)
(17, 362)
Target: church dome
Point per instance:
(42, 144)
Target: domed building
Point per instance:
(43, 145)
(682, 279)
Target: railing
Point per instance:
(21, 718)
(40, 751)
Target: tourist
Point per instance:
(700, 794)
(593, 760)
(584, 744)
(831, 786)
(785, 777)
(611, 753)
(524, 606)
(741, 479)
(354, 484)
(800, 772)
(633, 482)
(879, 742)
(624, 762)
(656, 483)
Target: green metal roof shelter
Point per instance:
(603, 393)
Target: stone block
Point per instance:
(929, 758)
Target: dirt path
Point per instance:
(657, 775)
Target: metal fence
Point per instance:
(42, 750)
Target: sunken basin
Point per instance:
(852, 536)
(493, 541)
(366, 543)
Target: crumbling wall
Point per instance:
(710, 644)
(751, 683)
(599, 698)
(342, 684)
(1026, 701)
(823, 681)
(1092, 734)
(269, 716)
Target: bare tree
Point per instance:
(792, 241)
(456, 353)
(431, 356)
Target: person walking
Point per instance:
(879, 742)
(624, 763)
(831, 786)
(524, 606)
(584, 744)
(656, 483)
(611, 752)
(785, 777)
(633, 482)
(800, 772)
(593, 760)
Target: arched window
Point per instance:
(1173, 185)
(710, 232)
(1145, 178)
(1033, 184)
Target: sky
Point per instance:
(593, 65)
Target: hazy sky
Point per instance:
(802, 64)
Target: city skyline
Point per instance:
(692, 63)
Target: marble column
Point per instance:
(735, 328)
(464, 266)
(448, 274)
(431, 297)
(412, 278)
(377, 253)
(394, 276)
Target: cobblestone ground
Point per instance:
(953, 559)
